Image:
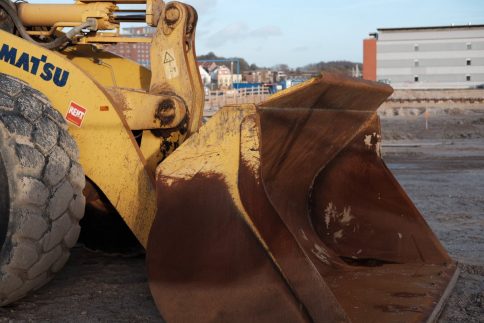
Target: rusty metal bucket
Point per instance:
(286, 212)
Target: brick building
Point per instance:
(138, 52)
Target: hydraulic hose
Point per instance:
(49, 45)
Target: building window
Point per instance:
(416, 63)
(415, 78)
(468, 78)
(469, 45)
(415, 47)
(468, 62)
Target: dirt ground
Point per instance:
(440, 163)
(441, 168)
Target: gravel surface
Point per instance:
(437, 155)
(441, 168)
(93, 287)
(446, 183)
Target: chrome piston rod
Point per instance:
(128, 16)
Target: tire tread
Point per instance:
(45, 183)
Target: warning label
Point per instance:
(169, 64)
(75, 114)
(168, 58)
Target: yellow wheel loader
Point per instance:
(277, 212)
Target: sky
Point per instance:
(270, 32)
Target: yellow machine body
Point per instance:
(109, 154)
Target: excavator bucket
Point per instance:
(286, 212)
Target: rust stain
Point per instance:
(395, 308)
(408, 295)
(205, 255)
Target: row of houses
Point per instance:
(221, 77)
(218, 76)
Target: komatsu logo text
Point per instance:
(34, 65)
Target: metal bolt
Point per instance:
(172, 15)
(166, 111)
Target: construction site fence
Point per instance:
(220, 98)
(444, 96)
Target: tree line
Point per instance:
(344, 67)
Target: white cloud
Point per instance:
(300, 49)
(239, 31)
(266, 32)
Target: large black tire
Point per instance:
(41, 183)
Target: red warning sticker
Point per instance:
(75, 114)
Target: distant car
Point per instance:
(386, 81)
(480, 86)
